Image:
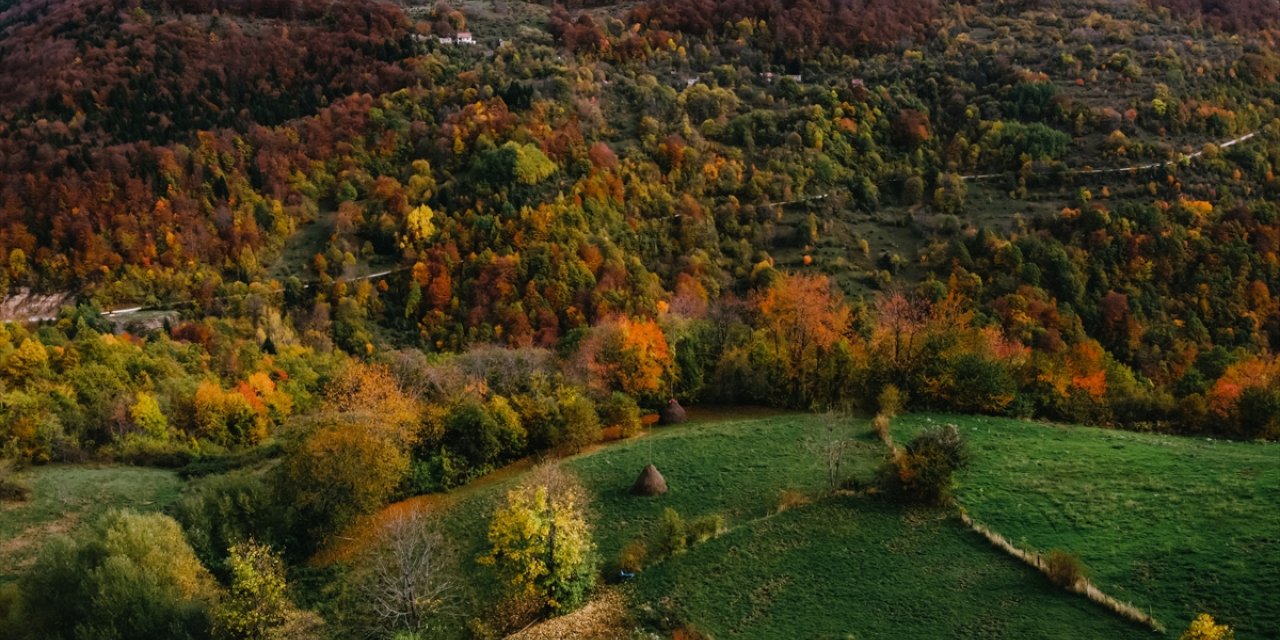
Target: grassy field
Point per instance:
(1171, 524)
(67, 497)
(733, 467)
(857, 568)
(1174, 525)
(841, 567)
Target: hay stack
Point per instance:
(673, 413)
(650, 482)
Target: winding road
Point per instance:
(1131, 168)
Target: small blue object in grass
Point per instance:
(626, 575)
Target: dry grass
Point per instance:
(1063, 568)
(790, 499)
(881, 426)
(17, 552)
(603, 618)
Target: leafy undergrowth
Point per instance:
(1172, 524)
(64, 497)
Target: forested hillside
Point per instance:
(243, 159)
(431, 240)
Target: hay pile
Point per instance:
(673, 413)
(650, 482)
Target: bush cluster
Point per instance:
(921, 472)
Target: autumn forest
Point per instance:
(313, 263)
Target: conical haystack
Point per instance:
(673, 413)
(650, 482)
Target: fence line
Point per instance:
(1083, 586)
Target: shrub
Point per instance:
(620, 410)
(131, 576)
(944, 442)
(147, 450)
(1205, 628)
(633, 556)
(890, 400)
(471, 433)
(1063, 568)
(257, 604)
(439, 471)
(790, 499)
(672, 535)
(705, 528)
(581, 424)
(921, 473)
(11, 487)
(228, 509)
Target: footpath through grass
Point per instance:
(66, 497)
(1172, 524)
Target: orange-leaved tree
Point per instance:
(627, 355)
(804, 317)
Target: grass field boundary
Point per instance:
(1083, 586)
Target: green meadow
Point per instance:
(1174, 525)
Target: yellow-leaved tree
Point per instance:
(541, 542)
(257, 604)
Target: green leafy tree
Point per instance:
(131, 576)
(343, 470)
(620, 410)
(581, 423)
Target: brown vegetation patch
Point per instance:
(790, 499)
(604, 618)
(355, 539)
(19, 552)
